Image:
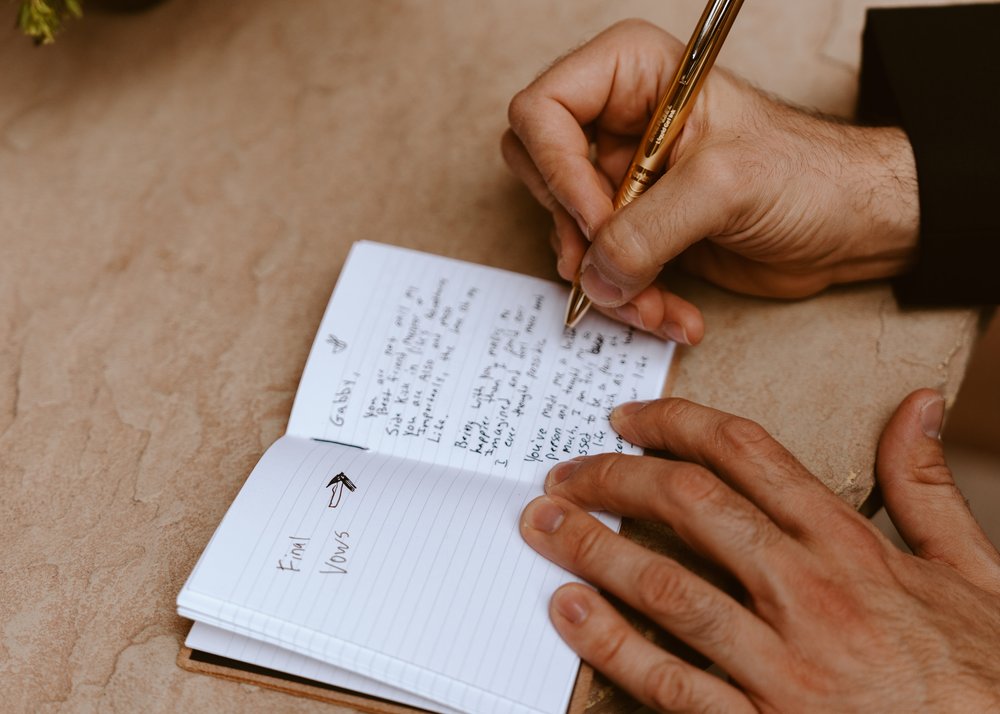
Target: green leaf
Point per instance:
(42, 19)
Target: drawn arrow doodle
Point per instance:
(336, 344)
(337, 485)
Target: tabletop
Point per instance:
(178, 192)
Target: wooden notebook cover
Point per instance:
(236, 671)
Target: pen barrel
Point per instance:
(653, 151)
(650, 158)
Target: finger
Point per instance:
(610, 80)
(613, 153)
(602, 637)
(742, 453)
(698, 197)
(920, 493)
(706, 513)
(570, 243)
(524, 168)
(662, 313)
(681, 602)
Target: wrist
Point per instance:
(886, 188)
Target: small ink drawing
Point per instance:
(336, 344)
(337, 485)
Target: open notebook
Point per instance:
(375, 545)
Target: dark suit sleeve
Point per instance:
(935, 72)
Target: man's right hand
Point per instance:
(759, 197)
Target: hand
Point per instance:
(834, 619)
(760, 198)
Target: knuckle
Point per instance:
(701, 491)
(859, 536)
(605, 473)
(867, 544)
(662, 588)
(759, 532)
(519, 110)
(556, 172)
(674, 408)
(609, 648)
(622, 244)
(933, 472)
(740, 436)
(668, 686)
(664, 592)
(720, 169)
(831, 599)
(695, 485)
(587, 544)
(653, 421)
(632, 25)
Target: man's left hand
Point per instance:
(835, 618)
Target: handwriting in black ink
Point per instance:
(336, 564)
(292, 559)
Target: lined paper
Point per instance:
(379, 535)
(418, 578)
(462, 365)
(214, 640)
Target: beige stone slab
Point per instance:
(178, 191)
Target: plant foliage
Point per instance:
(42, 19)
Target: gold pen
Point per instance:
(667, 121)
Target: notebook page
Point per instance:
(439, 360)
(417, 578)
(213, 640)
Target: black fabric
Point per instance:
(935, 72)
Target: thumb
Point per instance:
(920, 493)
(694, 199)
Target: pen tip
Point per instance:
(577, 305)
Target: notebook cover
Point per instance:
(236, 671)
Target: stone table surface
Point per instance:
(178, 191)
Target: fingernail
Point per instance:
(598, 288)
(627, 409)
(629, 314)
(675, 332)
(931, 416)
(570, 605)
(562, 471)
(544, 515)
